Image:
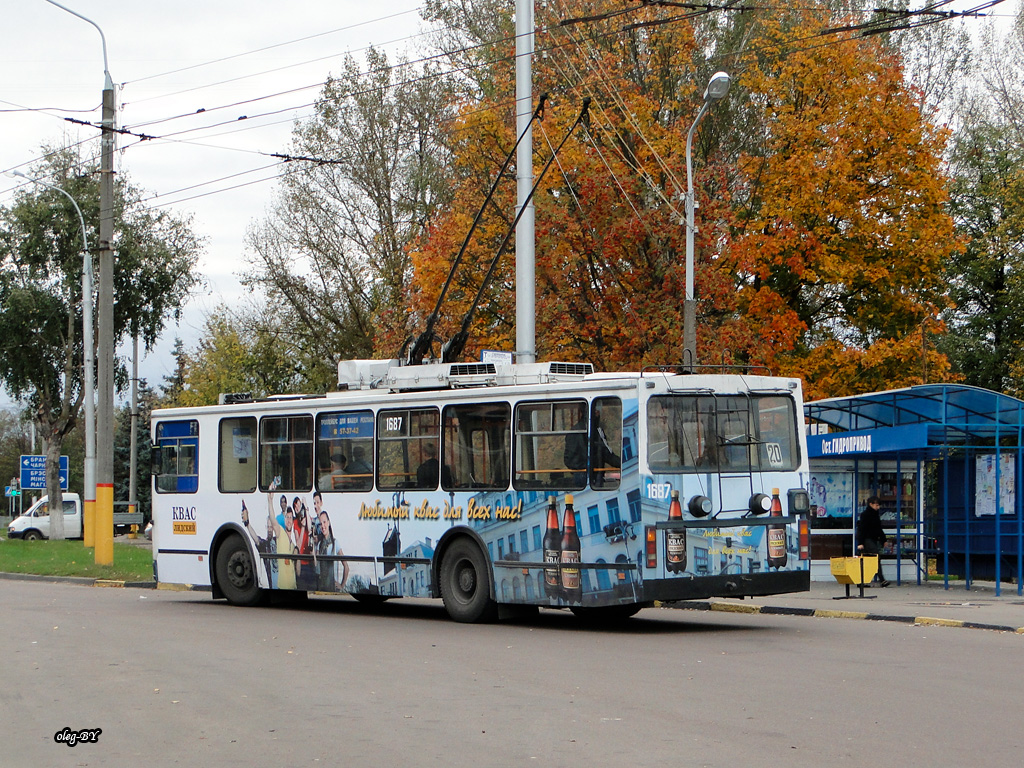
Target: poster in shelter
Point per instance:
(985, 485)
(831, 494)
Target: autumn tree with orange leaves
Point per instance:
(840, 238)
(822, 236)
(609, 237)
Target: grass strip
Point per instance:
(71, 558)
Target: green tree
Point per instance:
(986, 333)
(238, 351)
(147, 399)
(41, 355)
(14, 442)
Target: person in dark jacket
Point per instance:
(871, 537)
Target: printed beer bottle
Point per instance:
(675, 538)
(776, 535)
(572, 585)
(552, 546)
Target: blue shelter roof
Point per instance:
(955, 414)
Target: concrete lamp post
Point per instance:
(717, 88)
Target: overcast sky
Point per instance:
(172, 59)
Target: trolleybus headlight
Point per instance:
(699, 506)
(759, 504)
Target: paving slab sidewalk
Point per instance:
(926, 603)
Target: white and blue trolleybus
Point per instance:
(490, 486)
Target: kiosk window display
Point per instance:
(838, 493)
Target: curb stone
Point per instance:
(80, 580)
(702, 605)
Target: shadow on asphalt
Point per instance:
(650, 621)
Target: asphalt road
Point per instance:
(176, 679)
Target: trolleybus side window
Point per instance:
(175, 457)
(605, 443)
(551, 445)
(286, 452)
(237, 447)
(475, 441)
(408, 455)
(344, 451)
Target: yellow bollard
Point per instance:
(89, 523)
(104, 524)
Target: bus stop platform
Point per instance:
(928, 603)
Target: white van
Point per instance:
(35, 523)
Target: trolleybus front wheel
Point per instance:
(236, 575)
(466, 584)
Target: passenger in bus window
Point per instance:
(361, 471)
(335, 478)
(331, 574)
(282, 527)
(602, 455)
(427, 472)
(575, 454)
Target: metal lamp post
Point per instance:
(88, 364)
(104, 514)
(717, 88)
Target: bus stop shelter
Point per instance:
(961, 447)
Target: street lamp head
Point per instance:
(718, 87)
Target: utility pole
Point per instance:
(105, 380)
(526, 287)
(102, 520)
(133, 501)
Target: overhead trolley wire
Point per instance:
(271, 47)
(700, 9)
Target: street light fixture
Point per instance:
(717, 88)
(88, 363)
(104, 517)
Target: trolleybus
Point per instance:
(489, 485)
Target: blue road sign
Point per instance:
(33, 472)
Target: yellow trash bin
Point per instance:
(848, 570)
